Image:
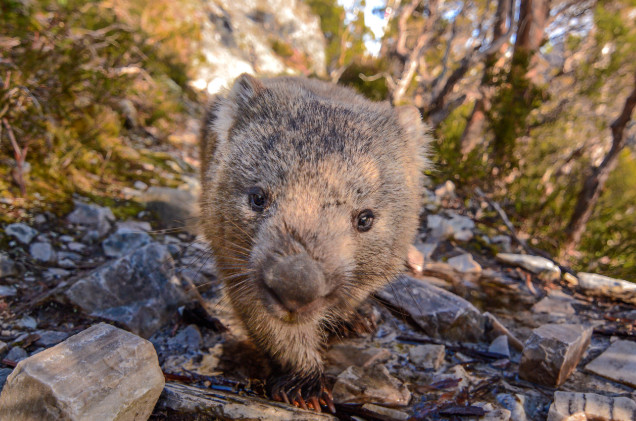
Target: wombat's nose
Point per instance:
(296, 281)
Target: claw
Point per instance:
(302, 402)
(328, 398)
(314, 404)
(285, 398)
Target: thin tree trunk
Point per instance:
(595, 181)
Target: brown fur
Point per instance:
(323, 154)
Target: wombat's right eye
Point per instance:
(258, 199)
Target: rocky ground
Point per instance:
(477, 329)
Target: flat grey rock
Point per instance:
(571, 406)
(50, 337)
(500, 346)
(440, 314)
(92, 217)
(140, 290)
(552, 353)
(102, 373)
(16, 354)
(43, 252)
(464, 263)
(617, 363)
(125, 241)
(21, 232)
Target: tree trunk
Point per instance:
(595, 181)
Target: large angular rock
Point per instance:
(439, 313)
(370, 385)
(571, 406)
(139, 290)
(92, 217)
(595, 284)
(102, 373)
(21, 232)
(541, 266)
(617, 363)
(552, 352)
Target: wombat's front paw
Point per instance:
(307, 392)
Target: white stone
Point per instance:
(541, 266)
(603, 285)
(571, 406)
(464, 263)
(102, 373)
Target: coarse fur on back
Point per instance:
(310, 200)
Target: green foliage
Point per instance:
(375, 89)
(65, 71)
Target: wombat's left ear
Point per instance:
(417, 133)
(245, 88)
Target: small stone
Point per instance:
(500, 346)
(515, 404)
(7, 291)
(7, 266)
(140, 290)
(370, 385)
(602, 285)
(502, 241)
(124, 241)
(440, 314)
(382, 412)
(78, 247)
(570, 279)
(66, 239)
(572, 406)
(554, 306)
(92, 217)
(136, 226)
(188, 339)
(617, 363)
(140, 185)
(344, 355)
(27, 322)
(49, 338)
(16, 354)
(446, 190)
(102, 373)
(21, 232)
(43, 252)
(552, 352)
(541, 266)
(465, 263)
(428, 357)
(458, 227)
(69, 255)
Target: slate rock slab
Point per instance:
(93, 217)
(552, 352)
(440, 314)
(617, 363)
(139, 290)
(102, 373)
(571, 406)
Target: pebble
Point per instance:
(464, 263)
(427, 357)
(7, 291)
(344, 355)
(500, 346)
(92, 217)
(78, 247)
(43, 252)
(124, 241)
(21, 232)
(552, 353)
(16, 354)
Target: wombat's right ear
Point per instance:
(245, 88)
(417, 134)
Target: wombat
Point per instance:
(310, 200)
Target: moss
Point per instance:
(282, 48)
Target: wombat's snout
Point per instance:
(296, 281)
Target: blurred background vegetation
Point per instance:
(531, 101)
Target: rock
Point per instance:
(176, 208)
(77, 247)
(7, 291)
(92, 217)
(43, 252)
(370, 385)
(541, 266)
(502, 241)
(16, 354)
(3, 347)
(500, 346)
(465, 263)
(446, 190)
(515, 404)
(571, 406)
(428, 357)
(124, 241)
(102, 373)
(139, 290)
(140, 185)
(438, 312)
(552, 352)
(192, 403)
(494, 414)
(457, 227)
(570, 279)
(344, 355)
(188, 339)
(383, 413)
(554, 305)
(49, 338)
(602, 285)
(426, 249)
(7, 266)
(21, 232)
(27, 322)
(617, 363)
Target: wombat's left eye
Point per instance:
(364, 221)
(258, 199)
